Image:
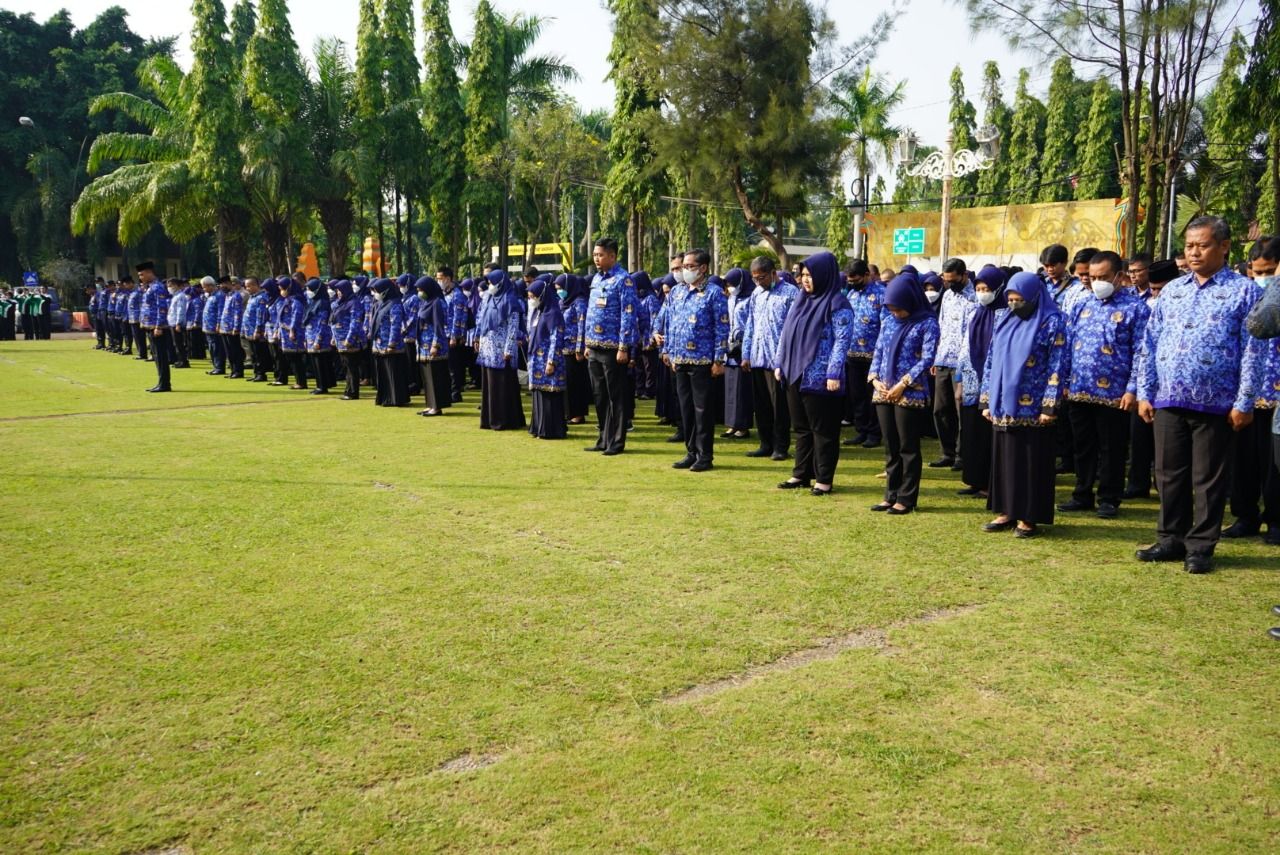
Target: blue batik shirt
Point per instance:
(739, 310)
(293, 338)
(828, 362)
(766, 313)
(1196, 352)
(348, 326)
(135, 306)
(551, 351)
(178, 309)
(499, 348)
(317, 332)
(697, 326)
(155, 307)
(456, 308)
(649, 308)
(232, 311)
(253, 324)
(611, 311)
(388, 337)
(951, 325)
(575, 327)
(1263, 323)
(1040, 383)
(212, 311)
(1105, 337)
(970, 385)
(915, 358)
(868, 308)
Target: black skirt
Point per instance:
(500, 404)
(1022, 474)
(436, 384)
(737, 398)
(548, 415)
(578, 397)
(975, 438)
(391, 379)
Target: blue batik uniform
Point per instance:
(112, 302)
(697, 326)
(389, 336)
(232, 313)
(1264, 324)
(829, 361)
(410, 305)
(1105, 337)
(499, 348)
(611, 311)
(971, 386)
(457, 307)
(1040, 384)
(272, 326)
(317, 333)
(552, 351)
(292, 334)
(135, 306)
(915, 358)
(155, 307)
(575, 327)
(212, 311)
(177, 311)
(348, 326)
(427, 338)
(253, 324)
(739, 309)
(649, 308)
(1196, 352)
(1066, 295)
(762, 331)
(868, 308)
(951, 325)
(195, 307)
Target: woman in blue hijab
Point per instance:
(546, 362)
(899, 376)
(386, 340)
(811, 365)
(347, 320)
(573, 303)
(498, 327)
(293, 338)
(431, 323)
(1021, 390)
(319, 335)
(975, 432)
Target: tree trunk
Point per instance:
(408, 230)
(382, 239)
(753, 220)
(275, 241)
(590, 234)
(336, 218)
(399, 234)
(233, 250)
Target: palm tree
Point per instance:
(863, 105)
(152, 181)
(330, 115)
(531, 80)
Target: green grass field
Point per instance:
(238, 618)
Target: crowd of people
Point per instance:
(28, 310)
(1115, 370)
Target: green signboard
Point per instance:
(908, 241)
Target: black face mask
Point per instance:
(1024, 311)
(957, 286)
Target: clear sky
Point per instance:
(930, 39)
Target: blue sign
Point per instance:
(30, 279)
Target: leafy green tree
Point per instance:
(963, 118)
(839, 235)
(1095, 144)
(486, 114)
(864, 104)
(1229, 141)
(330, 115)
(406, 141)
(1263, 82)
(1062, 121)
(993, 182)
(370, 105)
(1026, 141)
(444, 123)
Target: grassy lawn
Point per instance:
(238, 618)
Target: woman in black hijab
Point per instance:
(387, 341)
(432, 326)
(574, 308)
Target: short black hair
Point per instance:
(1216, 225)
(760, 262)
(857, 267)
(1255, 251)
(490, 266)
(531, 271)
(1085, 256)
(444, 270)
(700, 256)
(1141, 258)
(1108, 257)
(1182, 253)
(954, 266)
(1054, 253)
(1271, 252)
(608, 244)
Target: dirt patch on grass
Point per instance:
(468, 763)
(875, 638)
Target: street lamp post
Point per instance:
(948, 165)
(859, 191)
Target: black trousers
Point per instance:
(351, 369)
(100, 329)
(217, 351)
(28, 327)
(1063, 436)
(697, 413)
(298, 365)
(140, 339)
(46, 326)
(647, 367)
(610, 387)
(946, 412)
(181, 351)
(235, 353)
(322, 369)
(263, 360)
(457, 370)
(858, 406)
(195, 344)
(281, 362)
(975, 432)
(1255, 486)
(773, 411)
(816, 419)
(163, 351)
(1142, 453)
(1193, 451)
(1100, 438)
(902, 428)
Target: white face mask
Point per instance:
(1266, 281)
(333, 295)
(933, 296)
(986, 298)
(1103, 290)
(733, 290)
(355, 287)
(379, 296)
(691, 276)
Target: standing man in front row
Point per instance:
(1197, 370)
(767, 310)
(611, 332)
(695, 346)
(155, 324)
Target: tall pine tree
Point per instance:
(445, 127)
(243, 21)
(1095, 144)
(1229, 141)
(486, 113)
(963, 119)
(1060, 134)
(1026, 140)
(993, 182)
(405, 142)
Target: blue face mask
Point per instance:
(562, 294)
(845, 291)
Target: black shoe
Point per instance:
(898, 512)
(611, 452)
(257, 378)
(237, 376)
(594, 448)
(319, 391)
(159, 389)
(1107, 511)
(943, 463)
(1240, 528)
(214, 372)
(968, 491)
(993, 527)
(855, 440)
(1075, 505)
(958, 466)
(882, 507)
(279, 383)
(779, 455)
(872, 443)
(1275, 610)
(1274, 632)
(1272, 537)
(676, 437)
(760, 452)
(1162, 552)
(816, 492)
(1198, 564)
(700, 466)
(1135, 493)
(350, 398)
(803, 485)
(1025, 533)
(684, 462)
